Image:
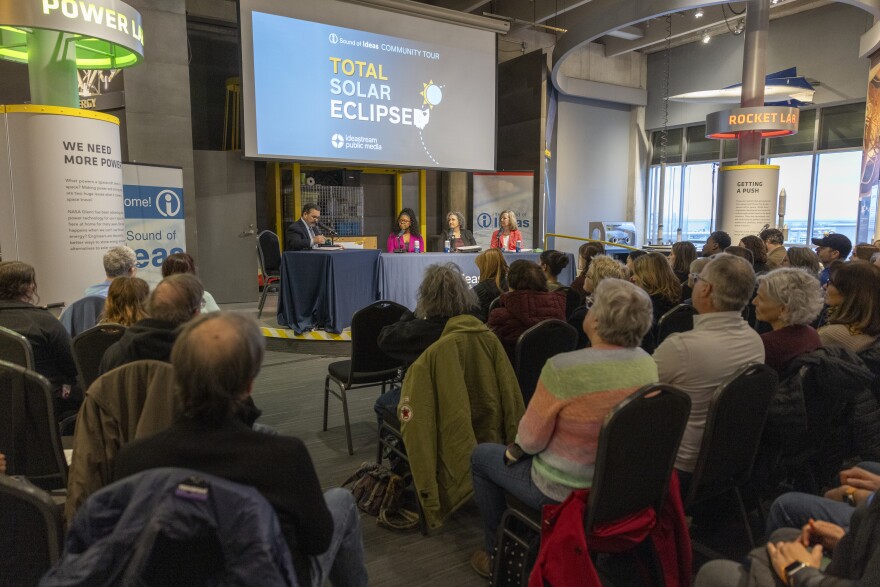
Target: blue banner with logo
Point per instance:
(154, 216)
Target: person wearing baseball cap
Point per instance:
(831, 247)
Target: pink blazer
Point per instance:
(515, 235)
(395, 242)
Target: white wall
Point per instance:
(593, 168)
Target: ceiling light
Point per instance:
(706, 37)
(699, 13)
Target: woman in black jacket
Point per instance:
(456, 233)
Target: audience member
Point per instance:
(601, 267)
(653, 274)
(2, 464)
(552, 264)
(493, 279)
(174, 301)
(126, 301)
(831, 248)
(555, 448)
(802, 257)
(789, 300)
(759, 252)
(864, 252)
(586, 252)
(184, 263)
(742, 253)
(717, 242)
(853, 299)
(508, 233)
(721, 342)
(774, 241)
(118, 261)
(406, 234)
(216, 360)
(528, 303)
(631, 258)
(683, 253)
(688, 288)
(53, 358)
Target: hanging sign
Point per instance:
(746, 199)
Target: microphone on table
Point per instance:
(326, 228)
(451, 236)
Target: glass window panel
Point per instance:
(671, 202)
(729, 149)
(698, 208)
(795, 174)
(837, 194)
(799, 142)
(699, 148)
(673, 146)
(842, 127)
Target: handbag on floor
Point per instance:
(379, 492)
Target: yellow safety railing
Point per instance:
(589, 240)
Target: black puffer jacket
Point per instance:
(824, 414)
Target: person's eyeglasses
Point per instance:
(202, 304)
(404, 221)
(696, 277)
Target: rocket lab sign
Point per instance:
(772, 121)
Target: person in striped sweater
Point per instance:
(557, 439)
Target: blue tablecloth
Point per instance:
(401, 274)
(323, 289)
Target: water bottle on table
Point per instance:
(446, 246)
(519, 246)
(416, 247)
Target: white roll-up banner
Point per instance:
(746, 199)
(61, 202)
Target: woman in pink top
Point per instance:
(506, 236)
(407, 235)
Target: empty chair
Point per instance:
(31, 532)
(89, 347)
(269, 253)
(572, 300)
(82, 314)
(28, 431)
(15, 348)
(678, 319)
(368, 366)
(730, 442)
(535, 346)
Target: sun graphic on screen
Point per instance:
(432, 93)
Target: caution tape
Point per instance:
(311, 335)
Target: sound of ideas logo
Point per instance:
(484, 220)
(168, 203)
(337, 140)
(333, 38)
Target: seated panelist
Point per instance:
(456, 233)
(303, 234)
(407, 235)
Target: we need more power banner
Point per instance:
(332, 93)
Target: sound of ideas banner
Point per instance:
(154, 216)
(494, 192)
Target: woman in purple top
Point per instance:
(789, 300)
(407, 235)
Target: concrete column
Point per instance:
(455, 195)
(52, 68)
(754, 74)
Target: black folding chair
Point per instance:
(15, 348)
(643, 431)
(88, 350)
(28, 431)
(31, 532)
(494, 304)
(535, 346)
(269, 253)
(368, 365)
(678, 319)
(734, 425)
(572, 300)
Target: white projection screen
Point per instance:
(346, 83)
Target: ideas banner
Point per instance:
(494, 192)
(60, 195)
(154, 216)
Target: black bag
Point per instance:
(379, 492)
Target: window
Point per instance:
(699, 201)
(837, 194)
(800, 142)
(842, 127)
(673, 145)
(795, 176)
(671, 201)
(699, 148)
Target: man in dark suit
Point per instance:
(301, 235)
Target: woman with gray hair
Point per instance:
(555, 448)
(789, 300)
(457, 235)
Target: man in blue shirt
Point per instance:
(118, 261)
(831, 248)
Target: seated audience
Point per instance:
(586, 252)
(555, 447)
(216, 360)
(717, 242)
(653, 274)
(789, 300)
(774, 241)
(699, 360)
(743, 253)
(525, 305)
(174, 301)
(53, 358)
(118, 261)
(601, 267)
(831, 248)
(759, 252)
(552, 263)
(803, 258)
(853, 299)
(184, 263)
(864, 252)
(631, 258)
(683, 253)
(126, 301)
(493, 279)
(687, 289)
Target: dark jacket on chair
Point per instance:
(517, 311)
(53, 358)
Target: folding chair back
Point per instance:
(88, 350)
(678, 319)
(535, 346)
(366, 357)
(31, 532)
(15, 348)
